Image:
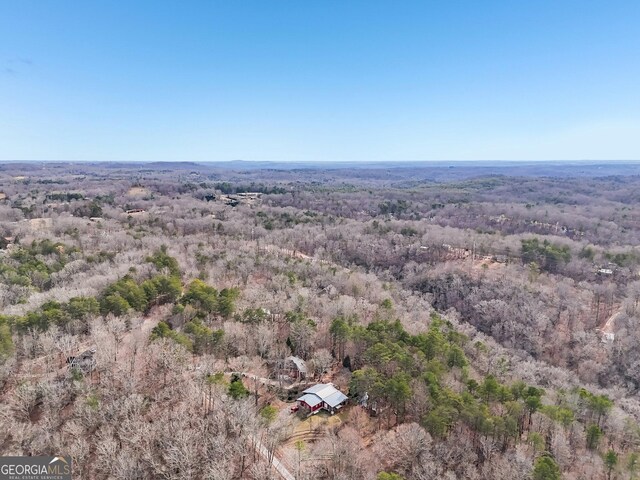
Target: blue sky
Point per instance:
(319, 80)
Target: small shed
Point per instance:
(608, 337)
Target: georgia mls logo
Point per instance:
(35, 468)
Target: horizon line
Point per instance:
(293, 162)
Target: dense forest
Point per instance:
(483, 322)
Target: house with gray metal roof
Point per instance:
(323, 396)
(85, 362)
